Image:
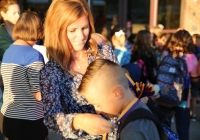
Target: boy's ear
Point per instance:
(117, 92)
(2, 13)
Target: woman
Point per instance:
(70, 48)
(22, 109)
(9, 14)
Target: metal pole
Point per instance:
(90, 4)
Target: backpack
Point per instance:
(137, 71)
(143, 68)
(165, 132)
(133, 70)
(172, 70)
(147, 69)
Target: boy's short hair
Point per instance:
(28, 27)
(104, 72)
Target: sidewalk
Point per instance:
(194, 129)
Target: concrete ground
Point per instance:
(194, 129)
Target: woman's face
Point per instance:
(78, 32)
(12, 14)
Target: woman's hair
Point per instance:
(142, 45)
(4, 4)
(183, 39)
(28, 27)
(60, 15)
(166, 37)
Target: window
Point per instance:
(138, 11)
(169, 13)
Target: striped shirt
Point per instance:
(20, 72)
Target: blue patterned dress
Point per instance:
(61, 100)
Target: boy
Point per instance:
(105, 86)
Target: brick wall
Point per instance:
(190, 15)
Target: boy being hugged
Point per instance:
(105, 86)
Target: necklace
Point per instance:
(78, 66)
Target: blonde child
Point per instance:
(112, 96)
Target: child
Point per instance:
(22, 109)
(118, 42)
(195, 86)
(143, 54)
(181, 45)
(163, 42)
(112, 96)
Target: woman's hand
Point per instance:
(37, 96)
(92, 123)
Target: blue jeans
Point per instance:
(182, 120)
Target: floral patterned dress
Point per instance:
(61, 100)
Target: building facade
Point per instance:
(172, 14)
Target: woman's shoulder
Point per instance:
(51, 67)
(4, 34)
(106, 52)
(104, 47)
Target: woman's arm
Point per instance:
(108, 53)
(56, 117)
(33, 73)
(62, 114)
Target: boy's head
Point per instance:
(104, 85)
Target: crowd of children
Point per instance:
(146, 59)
